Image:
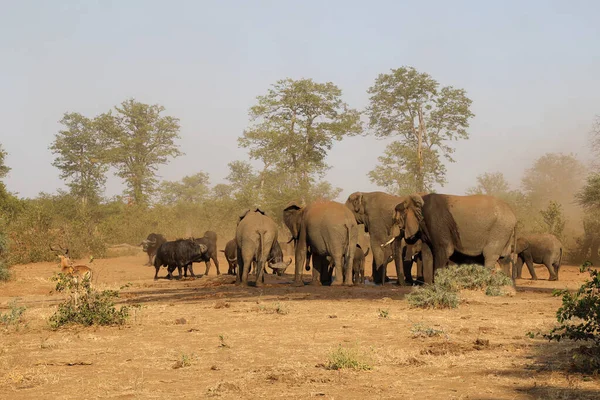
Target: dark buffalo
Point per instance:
(151, 244)
(231, 256)
(275, 260)
(210, 241)
(178, 254)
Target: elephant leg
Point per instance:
(407, 262)
(207, 262)
(337, 263)
(419, 261)
(550, 267)
(529, 262)
(378, 261)
(240, 266)
(428, 270)
(260, 270)
(399, 251)
(301, 255)
(519, 267)
(319, 267)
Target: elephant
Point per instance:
(358, 265)
(477, 226)
(376, 211)
(540, 249)
(330, 231)
(255, 235)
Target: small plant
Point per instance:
(222, 343)
(342, 358)
(419, 331)
(276, 308)
(383, 313)
(184, 361)
(13, 316)
(85, 305)
(433, 296)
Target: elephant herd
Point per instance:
(431, 229)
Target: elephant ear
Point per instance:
(416, 205)
(242, 215)
(292, 217)
(522, 245)
(356, 199)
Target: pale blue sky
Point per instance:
(532, 69)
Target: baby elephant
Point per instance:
(358, 266)
(540, 249)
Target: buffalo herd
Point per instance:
(431, 230)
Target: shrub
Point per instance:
(85, 305)
(5, 274)
(13, 316)
(420, 330)
(579, 314)
(472, 277)
(433, 296)
(341, 358)
(450, 280)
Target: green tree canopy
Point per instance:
(4, 169)
(295, 124)
(490, 183)
(191, 189)
(139, 139)
(554, 220)
(411, 106)
(398, 173)
(589, 195)
(80, 156)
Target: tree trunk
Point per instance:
(420, 134)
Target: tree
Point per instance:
(139, 140)
(4, 169)
(294, 125)
(80, 156)
(191, 189)
(589, 195)
(493, 184)
(554, 176)
(553, 218)
(410, 105)
(397, 170)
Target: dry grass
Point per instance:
(231, 348)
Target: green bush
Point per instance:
(451, 280)
(471, 277)
(433, 296)
(13, 316)
(85, 305)
(5, 273)
(579, 315)
(342, 358)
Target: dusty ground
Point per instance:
(238, 346)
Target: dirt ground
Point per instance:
(274, 342)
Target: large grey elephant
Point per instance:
(477, 226)
(376, 211)
(540, 249)
(255, 235)
(329, 229)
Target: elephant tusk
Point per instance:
(388, 242)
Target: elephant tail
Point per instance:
(261, 246)
(560, 258)
(347, 252)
